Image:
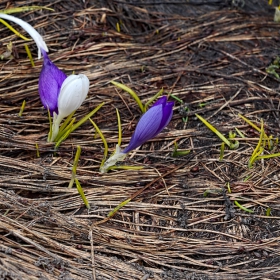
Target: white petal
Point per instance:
(73, 92)
(30, 30)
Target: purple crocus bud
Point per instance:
(50, 82)
(151, 123)
(149, 126)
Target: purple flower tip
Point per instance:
(50, 81)
(151, 123)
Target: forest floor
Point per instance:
(184, 222)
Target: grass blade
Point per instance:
(213, 129)
(82, 194)
(103, 140)
(132, 94)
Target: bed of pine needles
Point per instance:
(214, 58)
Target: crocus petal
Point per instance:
(161, 100)
(167, 111)
(146, 128)
(50, 82)
(151, 123)
(73, 92)
(166, 116)
(30, 30)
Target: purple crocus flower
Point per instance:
(51, 78)
(149, 126)
(60, 94)
(50, 82)
(151, 123)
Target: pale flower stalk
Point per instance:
(117, 156)
(30, 30)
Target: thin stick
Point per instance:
(92, 255)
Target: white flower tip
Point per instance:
(73, 92)
(30, 30)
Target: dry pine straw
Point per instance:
(170, 230)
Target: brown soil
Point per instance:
(212, 56)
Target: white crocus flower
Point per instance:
(73, 92)
(30, 30)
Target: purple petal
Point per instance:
(50, 81)
(151, 123)
(161, 100)
(166, 116)
(146, 128)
